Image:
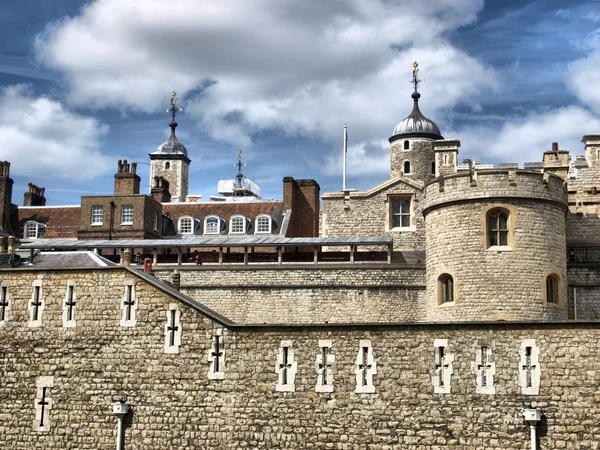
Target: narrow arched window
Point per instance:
(186, 225)
(551, 289)
(498, 228)
(433, 168)
(406, 145)
(406, 167)
(445, 288)
(167, 165)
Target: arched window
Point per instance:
(213, 225)
(406, 145)
(186, 225)
(263, 224)
(498, 227)
(237, 225)
(33, 230)
(552, 289)
(167, 165)
(445, 289)
(433, 168)
(406, 167)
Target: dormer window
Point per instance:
(237, 225)
(264, 224)
(186, 225)
(213, 225)
(33, 230)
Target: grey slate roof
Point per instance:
(69, 260)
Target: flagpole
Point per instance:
(345, 151)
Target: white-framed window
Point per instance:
(186, 225)
(128, 304)
(97, 215)
(529, 367)
(33, 230)
(400, 212)
(173, 329)
(237, 225)
(484, 368)
(441, 378)
(286, 368)
(325, 367)
(155, 221)
(70, 305)
(36, 305)
(264, 224)
(365, 368)
(213, 225)
(127, 215)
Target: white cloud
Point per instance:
(45, 141)
(524, 139)
(301, 68)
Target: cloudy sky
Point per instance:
(85, 84)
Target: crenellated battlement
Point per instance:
(494, 184)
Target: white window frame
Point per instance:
(125, 215)
(441, 377)
(269, 224)
(37, 322)
(186, 218)
(535, 375)
(215, 360)
(97, 215)
(38, 229)
(325, 367)
(484, 354)
(233, 226)
(71, 287)
(173, 349)
(129, 286)
(219, 225)
(364, 377)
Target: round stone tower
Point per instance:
(496, 246)
(411, 152)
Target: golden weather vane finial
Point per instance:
(415, 80)
(174, 109)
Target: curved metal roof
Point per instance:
(416, 124)
(171, 146)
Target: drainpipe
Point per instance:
(112, 220)
(533, 416)
(574, 303)
(120, 410)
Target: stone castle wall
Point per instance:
(308, 295)
(496, 282)
(420, 155)
(176, 405)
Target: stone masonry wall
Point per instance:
(308, 295)
(176, 405)
(368, 215)
(420, 155)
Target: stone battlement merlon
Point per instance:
(495, 183)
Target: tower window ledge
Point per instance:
(500, 249)
(447, 305)
(412, 228)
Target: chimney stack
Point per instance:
(127, 182)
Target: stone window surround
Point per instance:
(5, 298)
(235, 226)
(490, 387)
(388, 223)
(36, 323)
(129, 286)
(511, 210)
(97, 215)
(369, 386)
(220, 223)
(127, 213)
(269, 223)
(328, 366)
(186, 219)
(560, 296)
(213, 358)
(65, 314)
(439, 290)
(534, 389)
(290, 385)
(43, 382)
(168, 348)
(444, 370)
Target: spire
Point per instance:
(173, 110)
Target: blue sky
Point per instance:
(85, 84)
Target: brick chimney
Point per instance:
(302, 198)
(160, 190)
(35, 196)
(6, 185)
(127, 182)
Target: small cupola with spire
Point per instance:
(170, 161)
(411, 151)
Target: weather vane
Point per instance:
(174, 109)
(239, 164)
(415, 80)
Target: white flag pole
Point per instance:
(345, 151)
